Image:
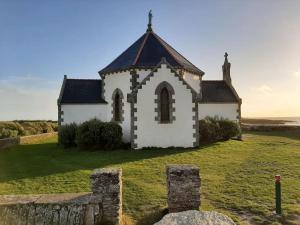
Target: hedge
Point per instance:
(216, 129)
(67, 135)
(23, 127)
(92, 134)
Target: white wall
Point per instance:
(142, 74)
(149, 132)
(79, 113)
(193, 80)
(228, 111)
(121, 81)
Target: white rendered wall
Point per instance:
(227, 111)
(149, 132)
(142, 74)
(79, 113)
(121, 81)
(193, 80)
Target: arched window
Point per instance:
(117, 105)
(117, 116)
(164, 105)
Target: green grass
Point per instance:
(237, 176)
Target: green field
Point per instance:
(237, 176)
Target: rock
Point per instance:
(194, 217)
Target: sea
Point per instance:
(293, 120)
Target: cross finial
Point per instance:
(226, 55)
(150, 21)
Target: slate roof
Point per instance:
(147, 52)
(82, 91)
(217, 92)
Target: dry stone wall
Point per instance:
(10, 142)
(102, 206)
(183, 183)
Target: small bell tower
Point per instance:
(226, 70)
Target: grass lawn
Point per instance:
(237, 176)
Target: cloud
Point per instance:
(265, 90)
(297, 74)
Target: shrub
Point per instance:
(67, 135)
(112, 135)
(26, 127)
(208, 130)
(100, 135)
(228, 129)
(10, 129)
(89, 133)
(215, 129)
(6, 133)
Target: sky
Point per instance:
(40, 41)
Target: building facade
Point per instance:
(154, 93)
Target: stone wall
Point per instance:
(107, 189)
(102, 206)
(10, 142)
(267, 128)
(183, 183)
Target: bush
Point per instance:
(208, 130)
(24, 127)
(97, 134)
(228, 129)
(215, 129)
(67, 135)
(89, 134)
(112, 135)
(11, 129)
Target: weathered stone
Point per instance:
(55, 220)
(103, 206)
(194, 217)
(183, 183)
(63, 215)
(89, 215)
(107, 189)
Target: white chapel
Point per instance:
(154, 93)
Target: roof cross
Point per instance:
(150, 20)
(226, 55)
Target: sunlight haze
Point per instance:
(43, 40)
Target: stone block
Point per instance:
(183, 184)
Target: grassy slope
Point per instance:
(237, 177)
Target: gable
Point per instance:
(163, 63)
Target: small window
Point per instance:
(117, 106)
(117, 114)
(165, 105)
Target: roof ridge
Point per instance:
(81, 79)
(141, 48)
(121, 54)
(213, 80)
(163, 42)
